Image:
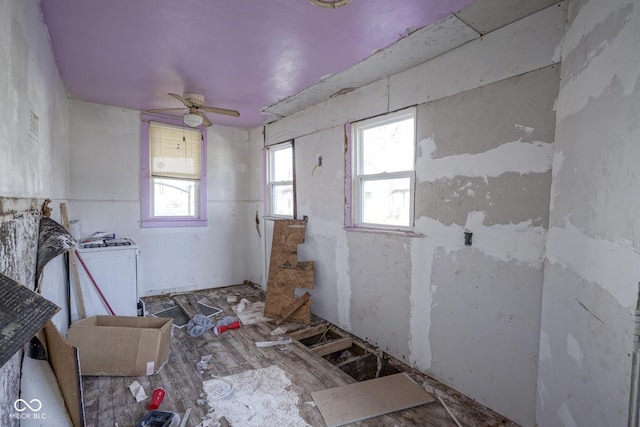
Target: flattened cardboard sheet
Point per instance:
(65, 363)
(368, 399)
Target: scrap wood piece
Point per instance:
(332, 346)
(22, 314)
(273, 343)
(305, 333)
(184, 302)
(65, 362)
(253, 314)
(296, 304)
(286, 273)
(446, 408)
(74, 266)
(368, 399)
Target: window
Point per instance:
(173, 174)
(383, 153)
(281, 198)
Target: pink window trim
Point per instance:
(348, 197)
(147, 221)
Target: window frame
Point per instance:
(271, 183)
(146, 192)
(355, 179)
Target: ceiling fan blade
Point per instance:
(217, 110)
(181, 99)
(205, 119)
(160, 110)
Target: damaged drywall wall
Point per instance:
(19, 220)
(485, 145)
(484, 166)
(325, 241)
(593, 257)
(33, 164)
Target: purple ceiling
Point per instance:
(240, 54)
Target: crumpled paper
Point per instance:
(138, 391)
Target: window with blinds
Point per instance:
(173, 175)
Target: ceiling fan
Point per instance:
(194, 102)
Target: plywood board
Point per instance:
(367, 399)
(286, 273)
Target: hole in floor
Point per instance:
(356, 358)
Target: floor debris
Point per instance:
(137, 391)
(261, 397)
(273, 343)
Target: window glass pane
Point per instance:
(282, 199)
(282, 165)
(387, 148)
(387, 201)
(174, 197)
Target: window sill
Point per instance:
(276, 217)
(403, 233)
(159, 223)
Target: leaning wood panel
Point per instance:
(286, 273)
(65, 363)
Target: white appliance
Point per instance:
(115, 270)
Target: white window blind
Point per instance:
(175, 151)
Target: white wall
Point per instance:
(468, 316)
(593, 253)
(256, 257)
(105, 196)
(31, 169)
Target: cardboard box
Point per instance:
(121, 345)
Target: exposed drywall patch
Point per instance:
(510, 198)
(600, 165)
(422, 252)
(514, 242)
(545, 347)
(574, 351)
(597, 392)
(598, 54)
(516, 156)
(343, 281)
(518, 108)
(614, 265)
(556, 166)
(525, 129)
(485, 329)
(325, 290)
(542, 394)
(380, 297)
(565, 416)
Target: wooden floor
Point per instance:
(108, 401)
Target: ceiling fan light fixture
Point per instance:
(329, 4)
(192, 119)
